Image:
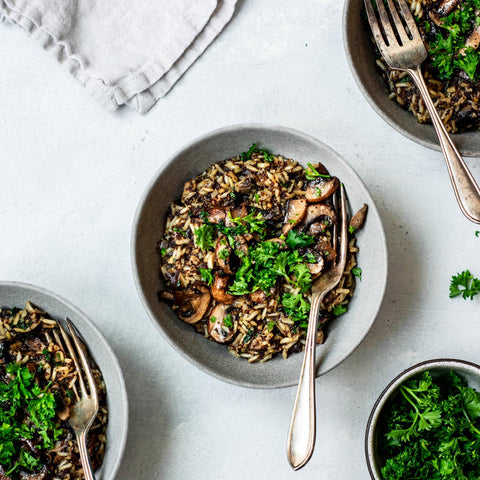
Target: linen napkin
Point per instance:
(123, 51)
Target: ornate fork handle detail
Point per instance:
(301, 436)
(466, 190)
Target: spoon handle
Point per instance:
(301, 435)
(466, 189)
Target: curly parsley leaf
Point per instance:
(204, 237)
(464, 284)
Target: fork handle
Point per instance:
(84, 457)
(301, 435)
(466, 189)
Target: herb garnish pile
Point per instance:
(431, 430)
(262, 266)
(447, 49)
(27, 412)
(464, 284)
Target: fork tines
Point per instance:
(386, 34)
(77, 352)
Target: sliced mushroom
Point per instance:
(216, 326)
(321, 188)
(235, 213)
(316, 228)
(216, 215)
(223, 254)
(296, 211)
(192, 303)
(435, 18)
(447, 6)
(219, 290)
(241, 244)
(326, 250)
(320, 168)
(474, 39)
(317, 211)
(166, 296)
(316, 267)
(358, 220)
(258, 297)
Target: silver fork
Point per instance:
(84, 411)
(301, 435)
(403, 49)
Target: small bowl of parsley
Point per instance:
(426, 424)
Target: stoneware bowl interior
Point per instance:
(17, 294)
(468, 370)
(361, 58)
(344, 334)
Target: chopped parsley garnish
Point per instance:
(228, 320)
(339, 310)
(311, 173)
(357, 271)
(27, 412)
(213, 319)
(268, 157)
(249, 335)
(464, 284)
(270, 325)
(430, 430)
(180, 230)
(351, 229)
(448, 49)
(206, 275)
(477, 234)
(163, 251)
(204, 237)
(298, 239)
(223, 253)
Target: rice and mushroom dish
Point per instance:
(451, 32)
(37, 389)
(243, 245)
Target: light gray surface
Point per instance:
(15, 294)
(166, 187)
(72, 176)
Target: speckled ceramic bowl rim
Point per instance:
(468, 152)
(120, 442)
(447, 363)
(171, 159)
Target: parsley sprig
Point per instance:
(431, 430)
(27, 412)
(464, 284)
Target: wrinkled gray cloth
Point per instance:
(123, 51)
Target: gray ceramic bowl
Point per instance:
(361, 58)
(470, 371)
(344, 334)
(17, 294)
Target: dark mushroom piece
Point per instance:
(192, 303)
(317, 266)
(321, 188)
(166, 296)
(216, 326)
(219, 290)
(296, 211)
(258, 297)
(474, 39)
(326, 250)
(317, 211)
(216, 215)
(223, 254)
(447, 6)
(358, 220)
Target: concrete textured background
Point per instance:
(72, 175)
